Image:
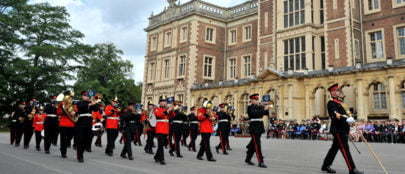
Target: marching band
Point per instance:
(168, 122)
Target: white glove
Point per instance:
(350, 120)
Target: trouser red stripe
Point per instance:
(343, 149)
(258, 154)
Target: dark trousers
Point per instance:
(205, 146)
(13, 134)
(176, 134)
(254, 146)
(128, 137)
(112, 135)
(223, 140)
(340, 142)
(66, 136)
(28, 132)
(159, 155)
(193, 137)
(38, 139)
(51, 136)
(137, 135)
(149, 140)
(19, 132)
(98, 135)
(83, 137)
(185, 133)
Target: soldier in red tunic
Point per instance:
(162, 129)
(206, 117)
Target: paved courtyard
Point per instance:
(281, 156)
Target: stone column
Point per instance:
(393, 105)
(307, 101)
(290, 101)
(360, 104)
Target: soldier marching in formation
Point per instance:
(340, 129)
(82, 120)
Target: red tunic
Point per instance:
(205, 122)
(162, 121)
(96, 116)
(38, 122)
(113, 117)
(64, 120)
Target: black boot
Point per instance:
(249, 162)
(212, 160)
(355, 171)
(262, 165)
(131, 158)
(328, 170)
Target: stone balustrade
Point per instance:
(203, 8)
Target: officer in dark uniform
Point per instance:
(177, 129)
(84, 124)
(51, 125)
(16, 125)
(128, 126)
(224, 127)
(340, 131)
(31, 110)
(193, 129)
(256, 112)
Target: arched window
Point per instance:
(244, 102)
(379, 96)
(403, 94)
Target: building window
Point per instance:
(294, 54)
(180, 97)
(321, 11)
(294, 13)
(373, 5)
(247, 30)
(232, 68)
(244, 104)
(167, 68)
(152, 71)
(209, 34)
(323, 53)
(168, 39)
(379, 96)
(232, 36)
(154, 43)
(337, 49)
(182, 66)
(398, 3)
(208, 66)
(334, 4)
(184, 34)
(376, 44)
(266, 20)
(247, 70)
(401, 40)
(357, 49)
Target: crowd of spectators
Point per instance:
(380, 131)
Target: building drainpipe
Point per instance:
(363, 54)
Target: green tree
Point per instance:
(107, 73)
(40, 49)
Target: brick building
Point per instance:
(290, 49)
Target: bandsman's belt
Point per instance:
(13, 120)
(85, 115)
(178, 121)
(223, 120)
(256, 119)
(166, 121)
(113, 118)
(39, 122)
(131, 121)
(51, 115)
(195, 122)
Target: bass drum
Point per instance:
(152, 120)
(43, 133)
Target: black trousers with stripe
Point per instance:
(254, 146)
(340, 142)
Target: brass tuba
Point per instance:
(67, 105)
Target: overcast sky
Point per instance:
(120, 22)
